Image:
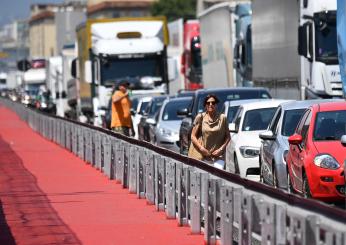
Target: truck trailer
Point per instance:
(295, 48)
(111, 50)
(217, 45)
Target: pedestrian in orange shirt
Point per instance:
(121, 110)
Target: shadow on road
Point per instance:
(26, 216)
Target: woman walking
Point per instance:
(210, 134)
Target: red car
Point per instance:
(316, 157)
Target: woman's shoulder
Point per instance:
(222, 116)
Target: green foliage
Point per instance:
(175, 9)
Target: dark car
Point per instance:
(224, 94)
(148, 119)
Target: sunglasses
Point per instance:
(210, 103)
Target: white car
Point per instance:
(140, 109)
(242, 153)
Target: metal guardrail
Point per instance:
(222, 205)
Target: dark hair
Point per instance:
(210, 96)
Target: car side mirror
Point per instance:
(132, 111)
(267, 135)
(151, 121)
(232, 128)
(183, 112)
(343, 140)
(295, 139)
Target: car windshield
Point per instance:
(155, 106)
(171, 108)
(258, 119)
(290, 121)
(330, 125)
(227, 95)
(232, 110)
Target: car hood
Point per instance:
(249, 138)
(333, 148)
(171, 125)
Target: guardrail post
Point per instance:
(280, 225)
(80, 142)
(119, 164)
(182, 182)
(255, 219)
(170, 189)
(226, 207)
(107, 148)
(114, 157)
(195, 201)
(74, 140)
(296, 229)
(133, 169)
(246, 219)
(160, 183)
(149, 178)
(98, 150)
(267, 223)
(209, 208)
(237, 215)
(141, 173)
(126, 166)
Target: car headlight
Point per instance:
(326, 161)
(44, 105)
(248, 151)
(166, 132)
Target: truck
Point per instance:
(111, 50)
(217, 45)
(295, 48)
(243, 45)
(341, 27)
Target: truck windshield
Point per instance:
(326, 41)
(114, 69)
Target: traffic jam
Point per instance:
(280, 84)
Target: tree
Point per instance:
(175, 9)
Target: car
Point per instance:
(275, 145)
(148, 118)
(315, 160)
(223, 94)
(243, 150)
(137, 112)
(166, 132)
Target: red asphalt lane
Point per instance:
(49, 196)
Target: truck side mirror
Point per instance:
(74, 68)
(172, 69)
(88, 71)
(303, 41)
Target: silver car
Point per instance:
(168, 123)
(274, 147)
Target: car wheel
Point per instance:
(236, 165)
(306, 187)
(289, 183)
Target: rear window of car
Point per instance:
(226, 95)
(170, 111)
(290, 121)
(258, 119)
(330, 125)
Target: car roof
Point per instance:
(211, 90)
(263, 104)
(302, 104)
(240, 102)
(180, 98)
(331, 106)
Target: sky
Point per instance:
(18, 9)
